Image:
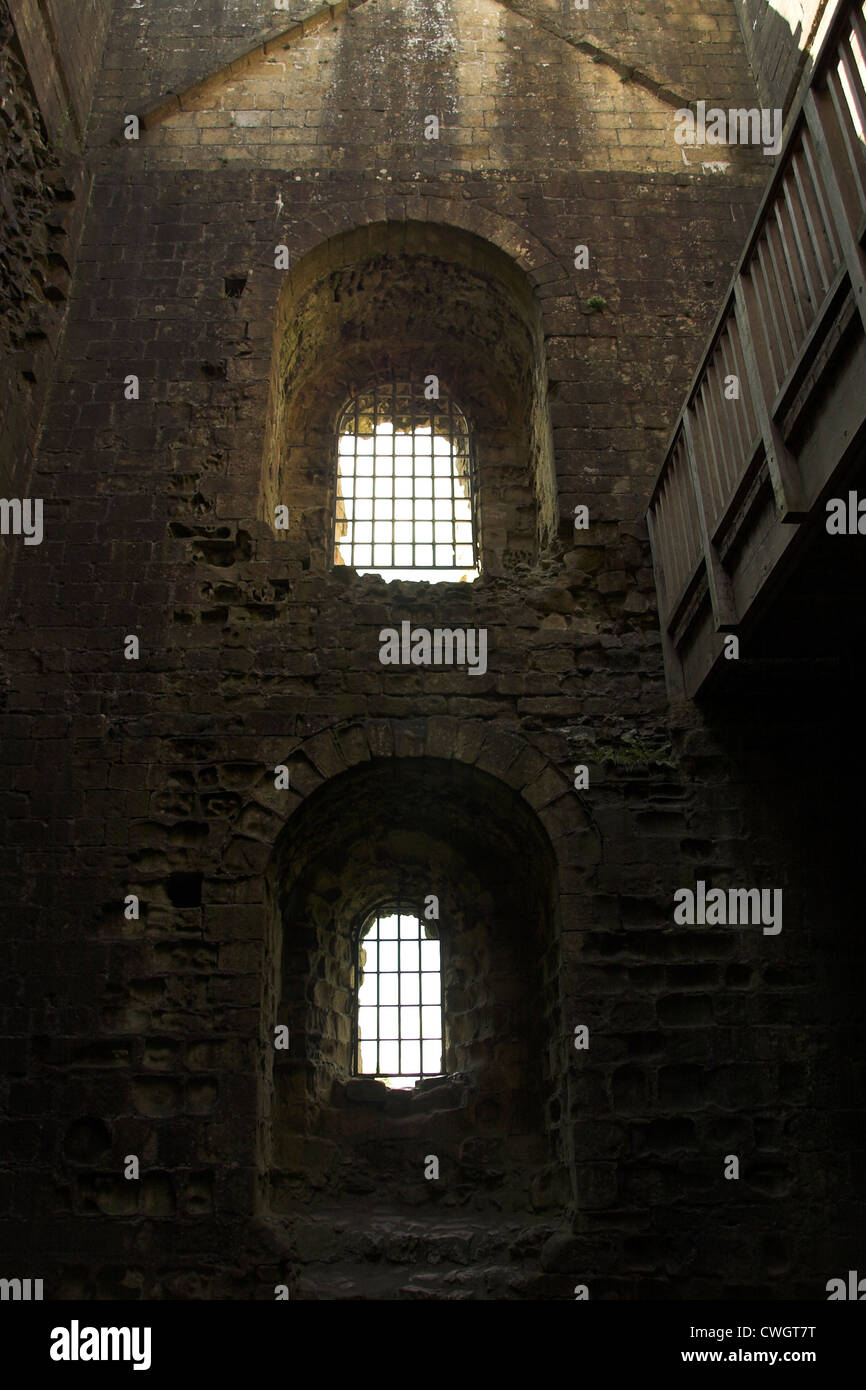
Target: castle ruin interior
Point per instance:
(431, 692)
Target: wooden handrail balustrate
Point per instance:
(800, 283)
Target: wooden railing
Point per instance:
(801, 274)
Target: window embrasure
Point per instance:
(406, 495)
(397, 1007)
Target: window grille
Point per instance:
(397, 1019)
(406, 499)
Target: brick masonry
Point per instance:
(155, 777)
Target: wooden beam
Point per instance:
(673, 666)
(832, 160)
(781, 465)
(721, 597)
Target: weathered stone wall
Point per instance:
(62, 46)
(45, 190)
(495, 68)
(781, 38)
(155, 776)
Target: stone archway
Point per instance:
(416, 301)
(490, 821)
(416, 827)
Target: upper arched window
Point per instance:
(406, 504)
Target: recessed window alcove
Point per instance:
(428, 309)
(447, 839)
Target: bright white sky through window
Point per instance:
(404, 507)
(399, 1002)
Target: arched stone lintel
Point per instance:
(508, 756)
(369, 227)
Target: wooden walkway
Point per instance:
(775, 418)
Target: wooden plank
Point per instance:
(850, 171)
(827, 151)
(814, 187)
(793, 264)
(782, 467)
(696, 592)
(663, 532)
(673, 667)
(784, 285)
(729, 526)
(717, 431)
(750, 419)
(732, 368)
(721, 597)
(855, 83)
(771, 324)
(672, 554)
(813, 374)
(812, 342)
(703, 442)
(799, 216)
(760, 330)
(683, 549)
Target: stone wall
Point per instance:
(62, 46)
(304, 98)
(45, 104)
(782, 38)
(152, 779)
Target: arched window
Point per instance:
(397, 1032)
(405, 486)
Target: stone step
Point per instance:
(342, 1282)
(335, 1237)
(389, 1255)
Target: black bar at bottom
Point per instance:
(257, 1338)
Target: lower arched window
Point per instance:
(397, 1022)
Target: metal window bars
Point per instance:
(405, 486)
(397, 1015)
